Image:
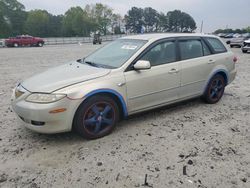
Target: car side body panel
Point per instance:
(152, 87)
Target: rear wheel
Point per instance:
(215, 89)
(244, 51)
(96, 117)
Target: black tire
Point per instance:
(40, 44)
(94, 43)
(96, 117)
(244, 51)
(231, 46)
(215, 89)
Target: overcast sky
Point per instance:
(215, 13)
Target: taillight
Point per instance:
(235, 59)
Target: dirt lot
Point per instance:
(208, 143)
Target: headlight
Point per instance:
(44, 97)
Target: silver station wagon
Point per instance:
(127, 76)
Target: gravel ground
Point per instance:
(190, 144)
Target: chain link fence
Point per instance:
(77, 40)
(73, 40)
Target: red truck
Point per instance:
(24, 40)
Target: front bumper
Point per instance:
(37, 117)
(236, 43)
(246, 48)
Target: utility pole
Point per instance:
(201, 26)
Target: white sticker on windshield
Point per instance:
(129, 47)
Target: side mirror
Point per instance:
(142, 65)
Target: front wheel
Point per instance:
(40, 44)
(244, 51)
(15, 44)
(215, 89)
(96, 117)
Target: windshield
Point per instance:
(115, 54)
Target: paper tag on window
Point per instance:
(129, 47)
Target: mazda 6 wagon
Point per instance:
(127, 76)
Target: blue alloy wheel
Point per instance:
(215, 89)
(96, 117)
(99, 117)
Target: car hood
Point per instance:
(63, 76)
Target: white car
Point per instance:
(246, 46)
(127, 76)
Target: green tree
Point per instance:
(37, 23)
(101, 17)
(116, 21)
(12, 17)
(76, 22)
(248, 29)
(228, 30)
(163, 22)
(134, 20)
(55, 25)
(187, 23)
(151, 19)
(180, 22)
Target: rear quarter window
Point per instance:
(217, 45)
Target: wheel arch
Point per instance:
(222, 72)
(118, 98)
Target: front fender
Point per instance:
(107, 84)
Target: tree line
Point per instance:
(77, 21)
(240, 31)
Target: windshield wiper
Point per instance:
(95, 64)
(91, 63)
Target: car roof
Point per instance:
(158, 36)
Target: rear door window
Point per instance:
(216, 44)
(191, 48)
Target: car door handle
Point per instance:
(172, 71)
(211, 61)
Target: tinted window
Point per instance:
(206, 50)
(162, 53)
(217, 45)
(191, 49)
